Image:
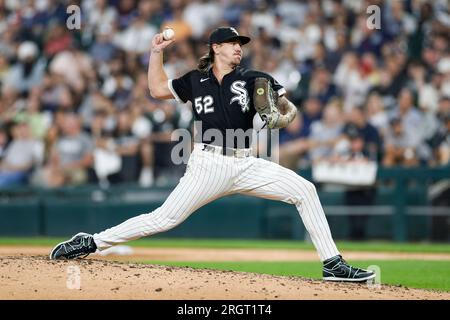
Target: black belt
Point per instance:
(231, 152)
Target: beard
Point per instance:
(236, 61)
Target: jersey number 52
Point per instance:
(204, 104)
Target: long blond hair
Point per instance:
(206, 61)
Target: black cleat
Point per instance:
(81, 244)
(337, 269)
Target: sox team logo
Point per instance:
(241, 95)
(234, 31)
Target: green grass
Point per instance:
(414, 274)
(373, 246)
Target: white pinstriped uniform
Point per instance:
(211, 175)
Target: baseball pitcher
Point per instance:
(224, 96)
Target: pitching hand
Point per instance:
(158, 43)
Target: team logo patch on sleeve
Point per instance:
(241, 95)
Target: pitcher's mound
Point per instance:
(37, 277)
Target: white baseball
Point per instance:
(168, 34)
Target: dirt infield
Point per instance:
(36, 277)
(205, 254)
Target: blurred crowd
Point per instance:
(75, 106)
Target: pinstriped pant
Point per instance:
(210, 176)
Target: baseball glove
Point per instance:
(265, 101)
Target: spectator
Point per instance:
(398, 21)
(127, 12)
(52, 88)
(365, 39)
(293, 12)
(4, 139)
(182, 29)
(71, 156)
(37, 121)
(351, 81)
(393, 75)
(400, 147)
(322, 51)
(358, 195)
(28, 71)
(20, 157)
(263, 19)
(106, 159)
(3, 17)
(165, 120)
(321, 86)
(312, 112)
(426, 91)
(55, 11)
(127, 147)
(118, 85)
(137, 38)
(100, 16)
(151, 12)
(334, 55)
(10, 102)
(293, 143)
(440, 142)
(142, 128)
(57, 40)
(283, 70)
(406, 110)
(4, 68)
(357, 125)
(325, 132)
(233, 11)
(202, 15)
(74, 66)
(376, 114)
(414, 125)
(443, 107)
(52, 135)
(103, 49)
(443, 68)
